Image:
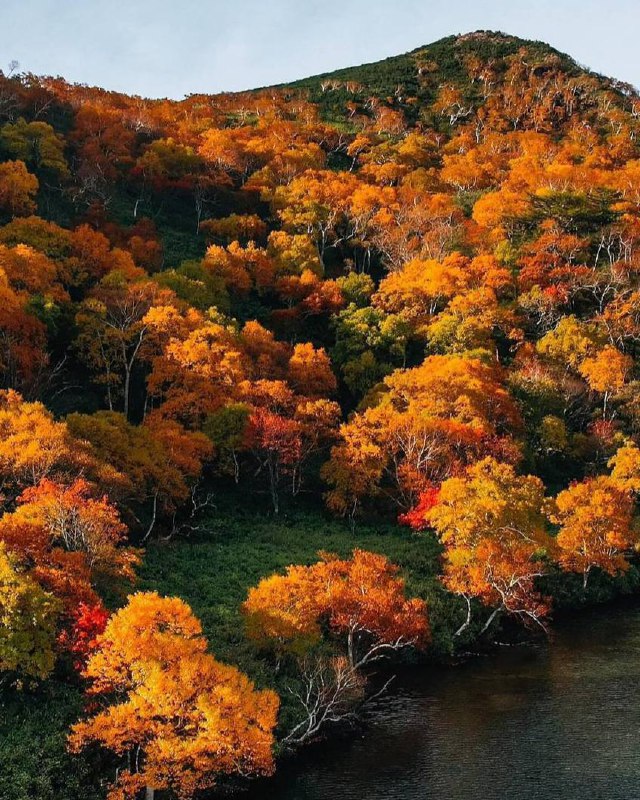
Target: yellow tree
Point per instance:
(28, 617)
(423, 425)
(606, 373)
(491, 523)
(177, 718)
(596, 526)
(34, 446)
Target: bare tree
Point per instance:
(329, 693)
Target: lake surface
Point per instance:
(553, 722)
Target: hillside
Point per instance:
(344, 369)
(414, 78)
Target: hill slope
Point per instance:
(415, 77)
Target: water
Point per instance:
(557, 722)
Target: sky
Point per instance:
(170, 48)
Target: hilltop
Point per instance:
(412, 80)
(486, 80)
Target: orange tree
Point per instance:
(596, 526)
(422, 426)
(361, 599)
(491, 523)
(176, 718)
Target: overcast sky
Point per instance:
(169, 48)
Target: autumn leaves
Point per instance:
(495, 528)
(179, 718)
(416, 307)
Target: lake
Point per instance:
(554, 722)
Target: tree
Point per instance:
(235, 228)
(30, 272)
(364, 600)
(104, 144)
(40, 234)
(285, 430)
(92, 258)
(23, 339)
(226, 429)
(569, 343)
(18, 188)
(34, 446)
(80, 640)
(240, 268)
(596, 529)
(421, 289)
(625, 467)
(276, 444)
(606, 373)
(360, 603)
(329, 693)
(79, 523)
(197, 374)
(68, 541)
(317, 205)
(424, 424)
(491, 523)
(309, 371)
(177, 718)
(195, 285)
(368, 345)
(36, 144)
(293, 254)
(282, 612)
(152, 466)
(113, 328)
(361, 599)
(28, 617)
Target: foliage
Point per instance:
(182, 718)
(27, 623)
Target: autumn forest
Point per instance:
(299, 384)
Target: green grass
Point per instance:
(34, 763)
(214, 570)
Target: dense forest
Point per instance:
(296, 383)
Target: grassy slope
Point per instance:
(214, 571)
(34, 764)
(445, 60)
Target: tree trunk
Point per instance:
(351, 649)
(149, 793)
(153, 518)
(467, 621)
(487, 624)
(273, 484)
(127, 382)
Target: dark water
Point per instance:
(544, 723)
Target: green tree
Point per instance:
(27, 623)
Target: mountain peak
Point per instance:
(484, 44)
(473, 64)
